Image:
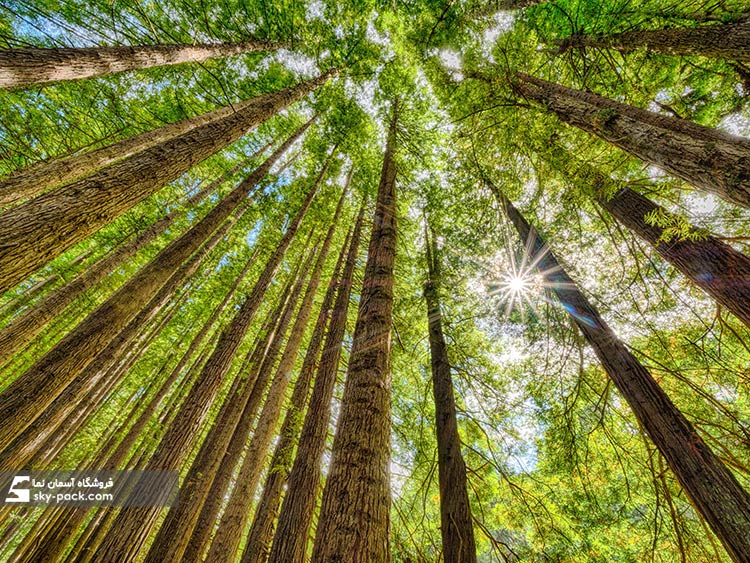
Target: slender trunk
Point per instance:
(133, 525)
(455, 512)
(261, 532)
(711, 487)
(354, 516)
(720, 41)
(22, 68)
(20, 450)
(714, 266)
(174, 534)
(291, 540)
(25, 398)
(41, 176)
(54, 542)
(35, 232)
(707, 158)
(15, 336)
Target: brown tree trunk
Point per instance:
(35, 232)
(261, 532)
(56, 539)
(710, 486)
(25, 398)
(354, 517)
(707, 158)
(41, 176)
(227, 538)
(22, 68)
(714, 266)
(456, 526)
(720, 41)
(133, 525)
(95, 374)
(291, 540)
(15, 336)
(174, 534)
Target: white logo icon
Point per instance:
(16, 493)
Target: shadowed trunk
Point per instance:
(31, 66)
(707, 158)
(36, 232)
(30, 393)
(455, 512)
(292, 534)
(354, 517)
(711, 487)
(721, 41)
(134, 525)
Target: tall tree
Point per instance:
(292, 533)
(714, 266)
(711, 487)
(25, 327)
(709, 159)
(56, 538)
(133, 526)
(23, 68)
(354, 517)
(729, 41)
(38, 386)
(456, 526)
(35, 232)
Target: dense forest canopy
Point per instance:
(409, 281)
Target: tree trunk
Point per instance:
(710, 486)
(354, 517)
(35, 232)
(25, 398)
(41, 176)
(56, 539)
(15, 336)
(174, 534)
(455, 512)
(721, 41)
(22, 68)
(712, 265)
(261, 532)
(95, 374)
(709, 159)
(293, 531)
(133, 525)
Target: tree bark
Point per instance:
(262, 530)
(710, 264)
(35, 232)
(720, 41)
(23, 68)
(41, 176)
(709, 159)
(56, 539)
(456, 526)
(15, 336)
(710, 486)
(96, 375)
(354, 517)
(133, 525)
(172, 539)
(290, 542)
(25, 398)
